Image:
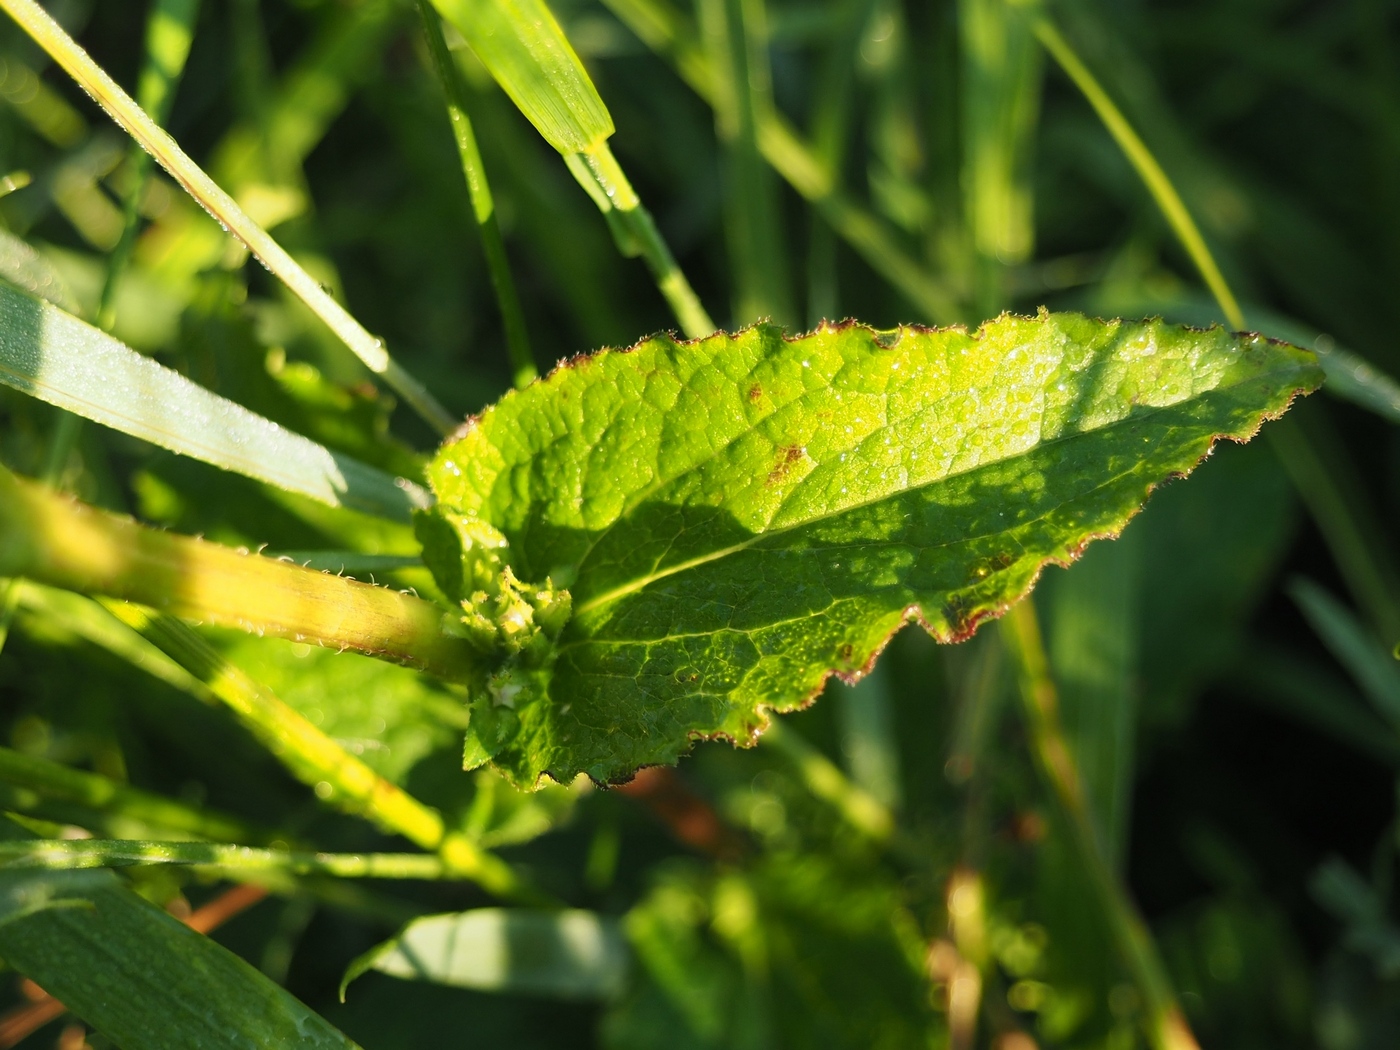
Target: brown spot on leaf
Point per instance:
(958, 617)
(755, 394)
(786, 457)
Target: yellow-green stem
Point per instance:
(49, 35)
(337, 776)
(57, 541)
(1166, 1024)
(522, 362)
(218, 857)
(635, 231)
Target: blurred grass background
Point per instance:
(1223, 668)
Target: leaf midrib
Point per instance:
(640, 583)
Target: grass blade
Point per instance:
(667, 33)
(220, 857)
(1372, 668)
(51, 355)
(520, 42)
(139, 976)
(49, 35)
(483, 206)
(735, 34)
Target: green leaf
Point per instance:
(138, 976)
(520, 42)
(404, 726)
(51, 355)
(739, 517)
(568, 954)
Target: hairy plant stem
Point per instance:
(169, 29)
(1166, 1024)
(50, 36)
(522, 362)
(57, 541)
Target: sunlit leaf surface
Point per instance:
(738, 517)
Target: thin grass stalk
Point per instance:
(522, 361)
(1329, 505)
(336, 776)
(1167, 1028)
(735, 36)
(1140, 157)
(218, 858)
(798, 163)
(94, 791)
(50, 36)
(636, 234)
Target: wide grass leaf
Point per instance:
(139, 976)
(52, 355)
(569, 954)
(741, 516)
(521, 43)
